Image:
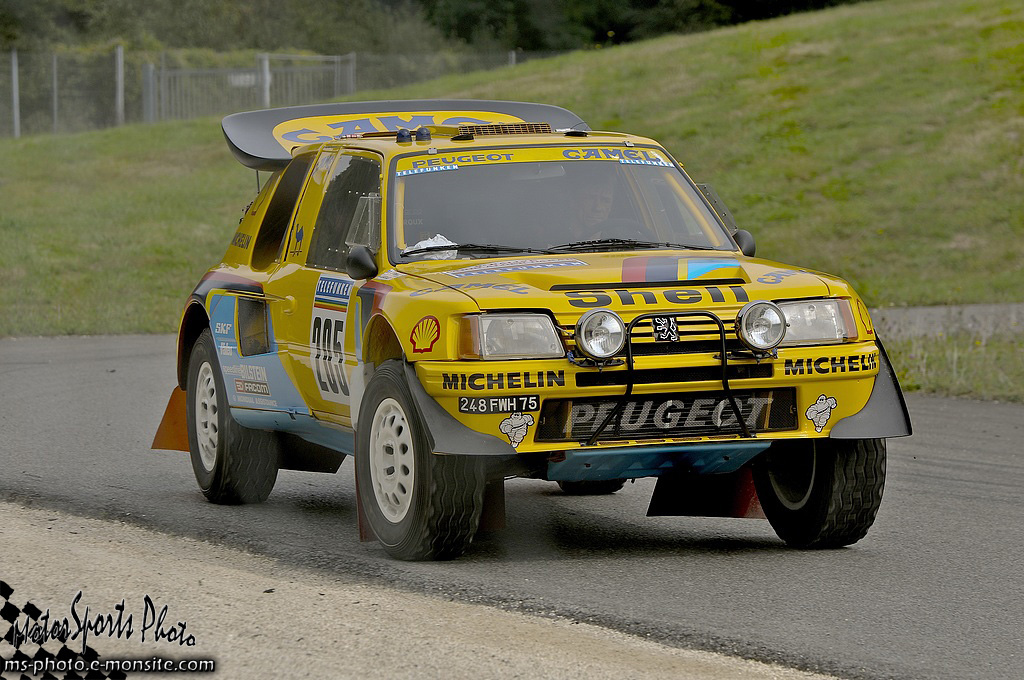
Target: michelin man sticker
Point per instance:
(819, 412)
(515, 427)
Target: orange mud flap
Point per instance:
(172, 435)
(725, 495)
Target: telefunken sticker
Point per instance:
(515, 427)
(819, 412)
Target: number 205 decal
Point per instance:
(326, 342)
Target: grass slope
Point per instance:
(880, 141)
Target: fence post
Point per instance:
(148, 92)
(15, 102)
(163, 86)
(351, 72)
(337, 75)
(511, 57)
(119, 84)
(55, 93)
(264, 60)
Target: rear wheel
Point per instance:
(600, 488)
(420, 505)
(822, 493)
(232, 464)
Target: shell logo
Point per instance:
(424, 334)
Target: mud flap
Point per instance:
(172, 435)
(727, 495)
(365, 531)
(493, 516)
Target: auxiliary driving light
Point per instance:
(600, 334)
(761, 325)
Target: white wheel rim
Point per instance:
(207, 413)
(793, 488)
(392, 463)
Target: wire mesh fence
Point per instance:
(72, 91)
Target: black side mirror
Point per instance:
(745, 240)
(360, 263)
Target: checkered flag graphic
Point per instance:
(29, 651)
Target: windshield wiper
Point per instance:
(475, 247)
(629, 243)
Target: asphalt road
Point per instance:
(936, 590)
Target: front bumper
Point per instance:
(507, 401)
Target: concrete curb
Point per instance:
(980, 320)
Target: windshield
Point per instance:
(545, 199)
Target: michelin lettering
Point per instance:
(831, 365)
(502, 381)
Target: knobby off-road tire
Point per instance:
(600, 488)
(822, 493)
(420, 505)
(232, 464)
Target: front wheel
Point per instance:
(420, 505)
(822, 493)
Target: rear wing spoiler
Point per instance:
(263, 140)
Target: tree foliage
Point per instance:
(339, 26)
(571, 24)
(323, 26)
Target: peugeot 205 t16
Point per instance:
(456, 293)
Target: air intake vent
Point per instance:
(506, 129)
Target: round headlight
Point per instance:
(600, 334)
(761, 325)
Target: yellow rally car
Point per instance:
(460, 292)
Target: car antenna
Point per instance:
(257, 181)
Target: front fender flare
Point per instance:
(446, 434)
(885, 414)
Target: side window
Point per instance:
(275, 221)
(349, 214)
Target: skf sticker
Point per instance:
(829, 365)
(424, 334)
(515, 427)
(819, 412)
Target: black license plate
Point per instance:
(514, 404)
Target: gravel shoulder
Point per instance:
(256, 617)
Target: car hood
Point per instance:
(567, 284)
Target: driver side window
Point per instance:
(349, 214)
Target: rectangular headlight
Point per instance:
(510, 336)
(818, 322)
